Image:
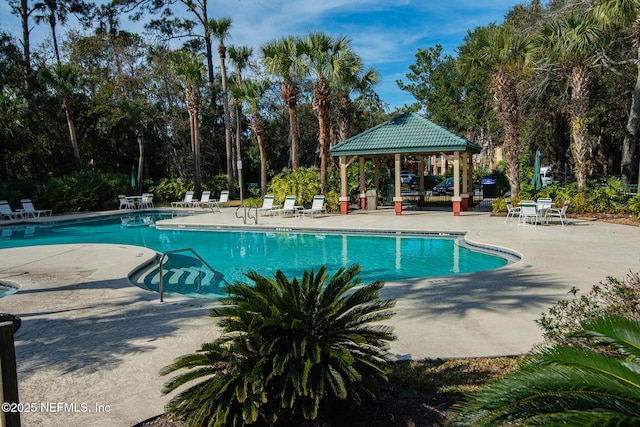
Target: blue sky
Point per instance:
(386, 34)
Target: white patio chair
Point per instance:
(316, 207)
(146, 200)
(528, 213)
(186, 202)
(223, 200)
(267, 204)
(29, 210)
(288, 207)
(125, 203)
(511, 210)
(560, 212)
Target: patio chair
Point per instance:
(146, 200)
(511, 210)
(316, 207)
(528, 213)
(29, 210)
(267, 204)
(6, 212)
(288, 207)
(560, 212)
(223, 200)
(205, 200)
(186, 202)
(125, 202)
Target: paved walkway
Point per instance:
(91, 344)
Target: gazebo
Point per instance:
(408, 134)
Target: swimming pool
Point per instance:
(231, 252)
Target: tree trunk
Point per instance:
(506, 104)
(227, 125)
(344, 117)
(74, 141)
(322, 105)
(289, 93)
(24, 18)
(257, 125)
(139, 132)
(580, 123)
(631, 132)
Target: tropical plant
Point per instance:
(190, 69)
(572, 41)
(615, 14)
(504, 52)
(566, 385)
(352, 77)
(220, 30)
(324, 57)
(282, 58)
(253, 92)
(290, 350)
(65, 80)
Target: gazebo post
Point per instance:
(397, 199)
(456, 199)
(363, 195)
(421, 173)
(344, 197)
(465, 183)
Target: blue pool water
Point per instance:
(382, 257)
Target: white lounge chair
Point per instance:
(316, 207)
(223, 200)
(29, 210)
(560, 212)
(288, 207)
(528, 213)
(186, 202)
(267, 204)
(511, 210)
(6, 212)
(205, 200)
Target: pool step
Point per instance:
(182, 274)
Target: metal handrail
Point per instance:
(247, 215)
(162, 256)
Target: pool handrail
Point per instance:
(161, 262)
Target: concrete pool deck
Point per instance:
(91, 344)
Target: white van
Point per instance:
(546, 174)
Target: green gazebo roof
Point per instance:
(408, 133)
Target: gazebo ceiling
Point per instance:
(407, 133)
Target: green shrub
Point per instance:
(304, 183)
(634, 206)
(84, 191)
(170, 189)
(612, 297)
(290, 350)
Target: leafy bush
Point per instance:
(304, 183)
(170, 189)
(634, 206)
(83, 191)
(612, 297)
(567, 385)
(289, 349)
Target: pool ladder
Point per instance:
(167, 253)
(247, 213)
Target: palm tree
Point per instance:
(239, 57)
(624, 13)
(567, 385)
(13, 111)
(324, 57)
(282, 59)
(220, 30)
(140, 114)
(352, 78)
(191, 70)
(253, 94)
(289, 349)
(505, 53)
(572, 41)
(55, 12)
(65, 79)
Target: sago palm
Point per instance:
(289, 349)
(567, 385)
